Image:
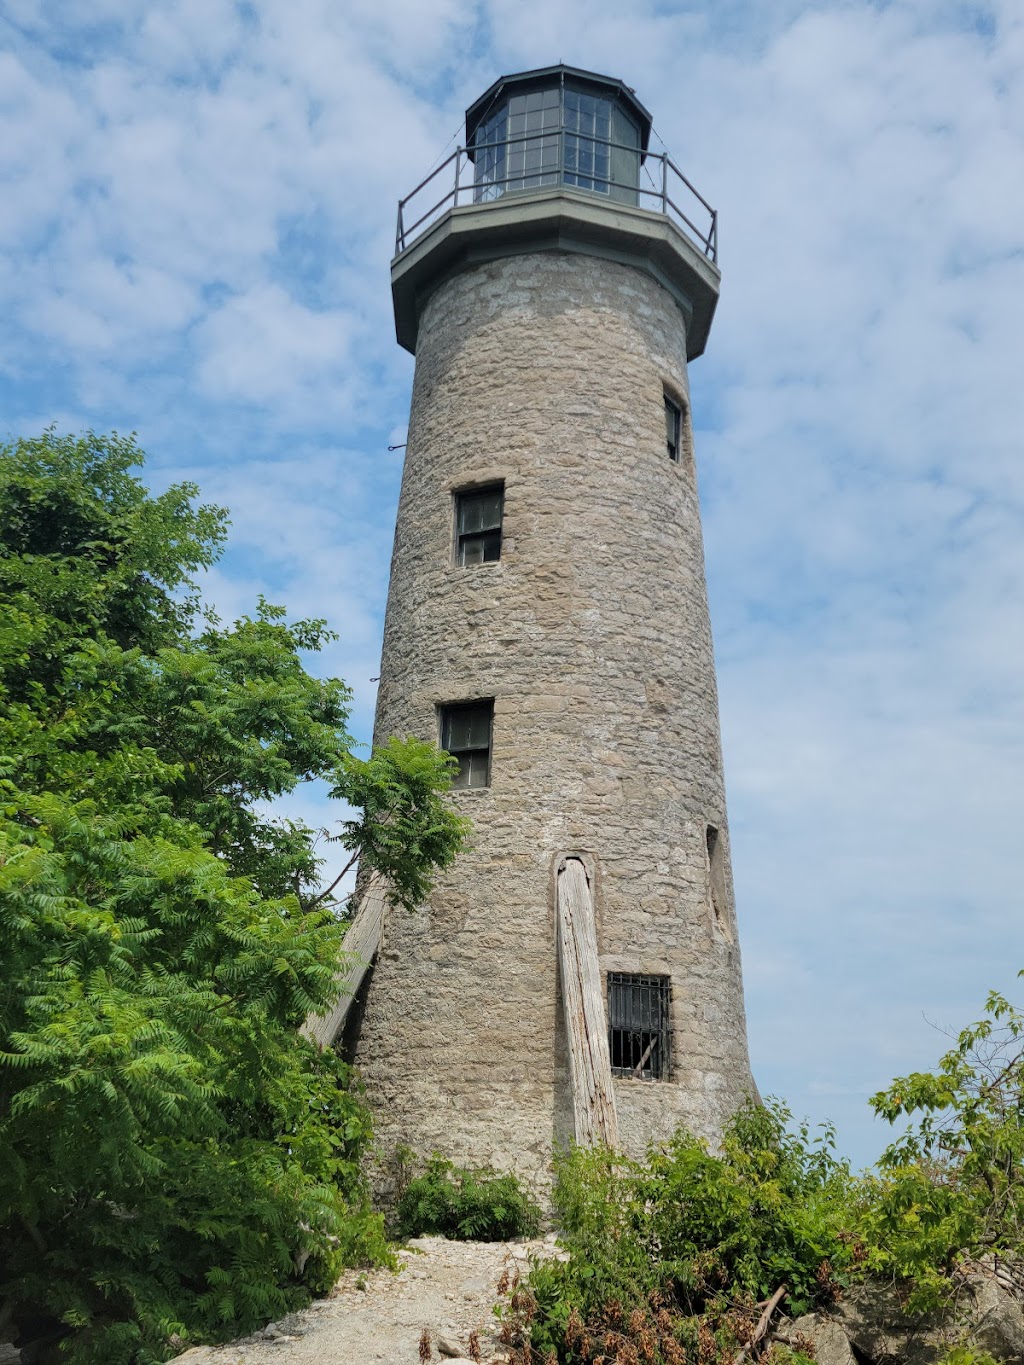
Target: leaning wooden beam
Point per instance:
(361, 944)
(585, 1024)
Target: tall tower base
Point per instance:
(547, 375)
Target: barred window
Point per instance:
(478, 515)
(466, 733)
(639, 1025)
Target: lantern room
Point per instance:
(557, 159)
(557, 126)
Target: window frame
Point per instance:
(446, 712)
(460, 538)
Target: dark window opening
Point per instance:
(478, 514)
(673, 429)
(466, 733)
(638, 1025)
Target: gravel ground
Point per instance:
(448, 1288)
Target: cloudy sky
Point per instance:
(196, 217)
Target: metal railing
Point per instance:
(458, 180)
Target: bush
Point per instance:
(468, 1205)
(673, 1258)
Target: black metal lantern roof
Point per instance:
(542, 78)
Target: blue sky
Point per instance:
(196, 219)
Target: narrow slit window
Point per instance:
(466, 733)
(673, 429)
(478, 516)
(639, 1025)
(716, 883)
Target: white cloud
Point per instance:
(263, 347)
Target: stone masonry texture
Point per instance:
(548, 371)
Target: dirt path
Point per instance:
(377, 1317)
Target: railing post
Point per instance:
(399, 231)
(664, 184)
(458, 172)
(713, 238)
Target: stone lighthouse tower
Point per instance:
(577, 972)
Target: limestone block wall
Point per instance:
(591, 634)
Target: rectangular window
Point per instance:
(478, 514)
(673, 429)
(466, 733)
(639, 1026)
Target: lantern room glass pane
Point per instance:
(532, 154)
(588, 121)
(490, 142)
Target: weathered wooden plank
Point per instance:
(585, 1023)
(361, 944)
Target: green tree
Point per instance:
(176, 1162)
(951, 1187)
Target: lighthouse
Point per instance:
(576, 973)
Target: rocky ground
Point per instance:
(447, 1289)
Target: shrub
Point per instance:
(673, 1258)
(479, 1205)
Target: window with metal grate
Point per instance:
(639, 1026)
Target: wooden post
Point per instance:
(586, 1026)
(361, 944)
